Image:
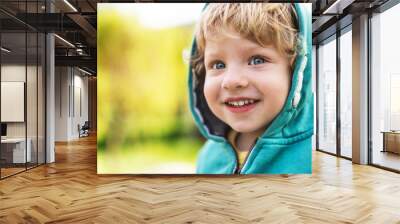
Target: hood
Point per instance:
(295, 118)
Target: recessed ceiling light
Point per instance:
(337, 7)
(64, 40)
(5, 50)
(84, 71)
(71, 6)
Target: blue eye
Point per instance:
(218, 65)
(256, 60)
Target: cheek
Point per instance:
(276, 87)
(284, 84)
(210, 91)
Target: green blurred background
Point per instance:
(144, 121)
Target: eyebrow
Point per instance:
(268, 51)
(213, 54)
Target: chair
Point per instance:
(84, 130)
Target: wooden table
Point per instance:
(391, 141)
(13, 150)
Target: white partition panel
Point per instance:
(12, 101)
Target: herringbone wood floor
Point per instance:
(70, 191)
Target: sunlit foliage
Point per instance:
(142, 91)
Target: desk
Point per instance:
(17, 150)
(391, 141)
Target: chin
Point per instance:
(243, 128)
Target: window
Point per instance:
(346, 93)
(327, 96)
(385, 89)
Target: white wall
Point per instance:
(80, 110)
(71, 93)
(61, 103)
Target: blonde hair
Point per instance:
(268, 24)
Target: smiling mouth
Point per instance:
(240, 105)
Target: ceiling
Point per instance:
(76, 22)
(332, 15)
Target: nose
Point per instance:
(234, 79)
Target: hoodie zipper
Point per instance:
(236, 157)
(238, 169)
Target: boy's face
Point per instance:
(246, 85)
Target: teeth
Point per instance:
(240, 103)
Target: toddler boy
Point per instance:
(250, 88)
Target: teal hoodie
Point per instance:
(285, 146)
